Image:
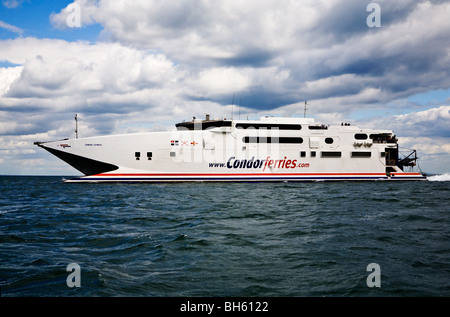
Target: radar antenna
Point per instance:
(306, 108)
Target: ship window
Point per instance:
(313, 153)
(361, 136)
(302, 154)
(285, 140)
(318, 127)
(149, 155)
(251, 139)
(291, 140)
(137, 155)
(331, 154)
(361, 154)
(172, 154)
(268, 126)
(204, 125)
(329, 140)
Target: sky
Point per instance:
(135, 66)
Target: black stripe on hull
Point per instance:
(85, 165)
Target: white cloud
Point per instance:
(81, 75)
(11, 28)
(83, 10)
(188, 30)
(429, 123)
(221, 81)
(11, 4)
(8, 75)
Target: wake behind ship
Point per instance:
(272, 149)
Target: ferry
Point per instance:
(270, 149)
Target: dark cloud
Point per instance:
(254, 57)
(268, 100)
(340, 22)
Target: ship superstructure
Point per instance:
(269, 149)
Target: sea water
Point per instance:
(224, 239)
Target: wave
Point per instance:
(440, 178)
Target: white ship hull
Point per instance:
(266, 150)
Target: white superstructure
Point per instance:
(268, 149)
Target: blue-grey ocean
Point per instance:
(224, 239)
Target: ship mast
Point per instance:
(76, 125)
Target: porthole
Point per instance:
(329, 140)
